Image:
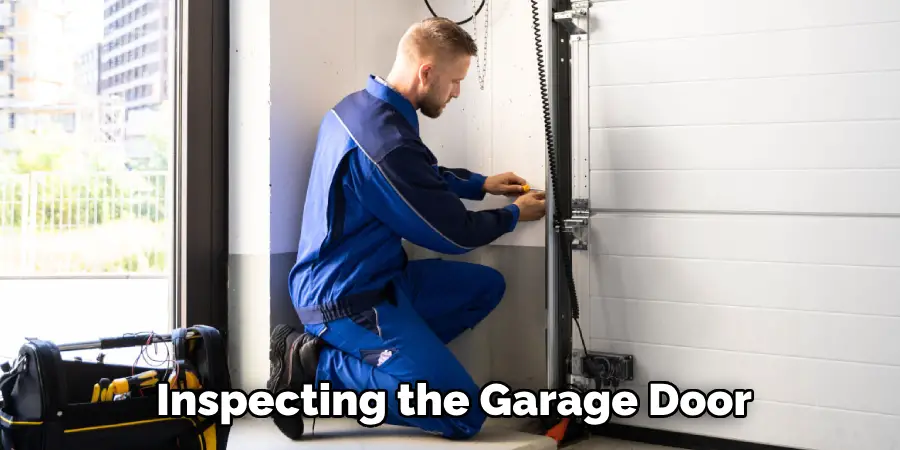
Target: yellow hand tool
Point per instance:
(190, 380)
(127, 384)
(527, 188)
(100, 390)
(106, 391)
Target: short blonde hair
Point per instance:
(442, 36)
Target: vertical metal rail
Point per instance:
(552, 254)
(552, 264)
(559, 308)
(559, 302)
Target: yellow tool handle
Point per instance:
(119, 386)
(190, 381)
(144, 379)
(106, 390)
(193, 382)
(126, 384)
(101, 390)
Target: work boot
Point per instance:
(293, 358)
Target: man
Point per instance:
(372, 318)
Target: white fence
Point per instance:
(57, 223)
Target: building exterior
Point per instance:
(99, 68)
(135, 70)
(87, 70)
(35, 74)
(134, 61)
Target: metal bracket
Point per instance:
(602, 369)
(579, 224)
(567, 18)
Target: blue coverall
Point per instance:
(387, 319)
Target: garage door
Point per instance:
(742, 163)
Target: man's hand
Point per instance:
(531, 206)
(507, 183)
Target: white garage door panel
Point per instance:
(811, 240)
(633, 20)
(840, 337)
(847, 145)
(743, 165)
(788, 424)
(844, 289)
(827, 384)
(807, 191)
(795, 52)
(866, 96)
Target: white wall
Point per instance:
(503, 123)
(744, 156)
(248, 197)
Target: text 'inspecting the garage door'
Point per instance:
(370, 408)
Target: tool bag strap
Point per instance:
(216, 365)
(179, 344)
(208, 357)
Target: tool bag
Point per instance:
(47, 400)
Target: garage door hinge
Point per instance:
(578, 224)
(567, 18)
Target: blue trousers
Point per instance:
(406, 343)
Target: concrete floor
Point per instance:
(599, 443)
(251, 434)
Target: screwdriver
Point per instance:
(527, 188)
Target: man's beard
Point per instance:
(432, 108)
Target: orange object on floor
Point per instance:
(558, 432)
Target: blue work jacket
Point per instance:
(373, 183)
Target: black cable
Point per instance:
(548, 134)
(477, 12)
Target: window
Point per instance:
(112, 208)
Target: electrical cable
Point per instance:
(143, 355)
(551, 151)
(478, 11)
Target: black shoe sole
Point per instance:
(292, 427)
(277, 350)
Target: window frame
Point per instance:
(199, 288)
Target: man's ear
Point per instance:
(426, 73)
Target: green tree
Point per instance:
(83, 207)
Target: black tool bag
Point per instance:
(47, 400)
